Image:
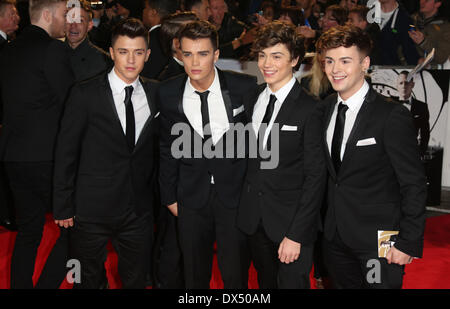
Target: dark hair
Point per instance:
(171, 26)
(200, 29)
(346, 36)
(361, 10)
(132, 28)
(339, 13)
(278, 32)
(164, 7)
(188, 4)
(295, 14)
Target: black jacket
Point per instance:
(381, 185)
(88, 60)
(187, 180)
(35, 80)
(96, 176)
(287, 199)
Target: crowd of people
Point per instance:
(89, 99)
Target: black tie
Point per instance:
(205, 112)
(266, 118)
(130, 125)
(336, 144)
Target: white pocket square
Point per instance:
(416, 116)
(157, 114)
(238, 110)
(366, 142)
(288, 128)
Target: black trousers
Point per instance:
(167, 257)
(273, 274)
(198, 229)
(6, 201)
(129, 235)
(356, 269)
(31, 186)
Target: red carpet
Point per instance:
(431, 272)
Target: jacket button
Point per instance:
(260, 193)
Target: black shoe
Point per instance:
(8, 225)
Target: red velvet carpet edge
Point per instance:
(430, 272)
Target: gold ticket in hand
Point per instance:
(385, 242)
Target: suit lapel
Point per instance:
(361, 119)
(330, 108)
(152, 107)
(226, 96)
(110, 100)
(288, 104)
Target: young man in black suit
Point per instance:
(279, 207)
(105, 173)
(200, 188)
(419, 110)
(376, 180)
(35, 79)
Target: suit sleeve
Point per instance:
(168, 169)
(57, 70)
(303, 228)
(425, 130)
(67, 154)
(403, 151)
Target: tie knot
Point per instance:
(128, 92)
(342, 107)
(203, 95)
(272, 99)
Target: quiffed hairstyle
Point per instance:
(346, 36)
(171, 26)
(36, 7)
(200, 29)
(278, 32)
(132, 28)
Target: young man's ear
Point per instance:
(366, 63)
(216, 55)
(148, 52)
(111, 53)
(294, 62)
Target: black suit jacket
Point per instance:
(3, 43)
(88, 60)
(380, 186)
(96, 176)
(158, 60)
(172, 69)
(35, 80)
(287, 198)
(188, 180)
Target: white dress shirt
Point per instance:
(261, 106)
(138, 97)
(3, 35)
(354, 104)
(218, 118)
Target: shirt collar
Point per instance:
(154, 27)
(118, 85)
(283, 92)
(179, 61)
(356, 100)
(214, 88)
(3, 35)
